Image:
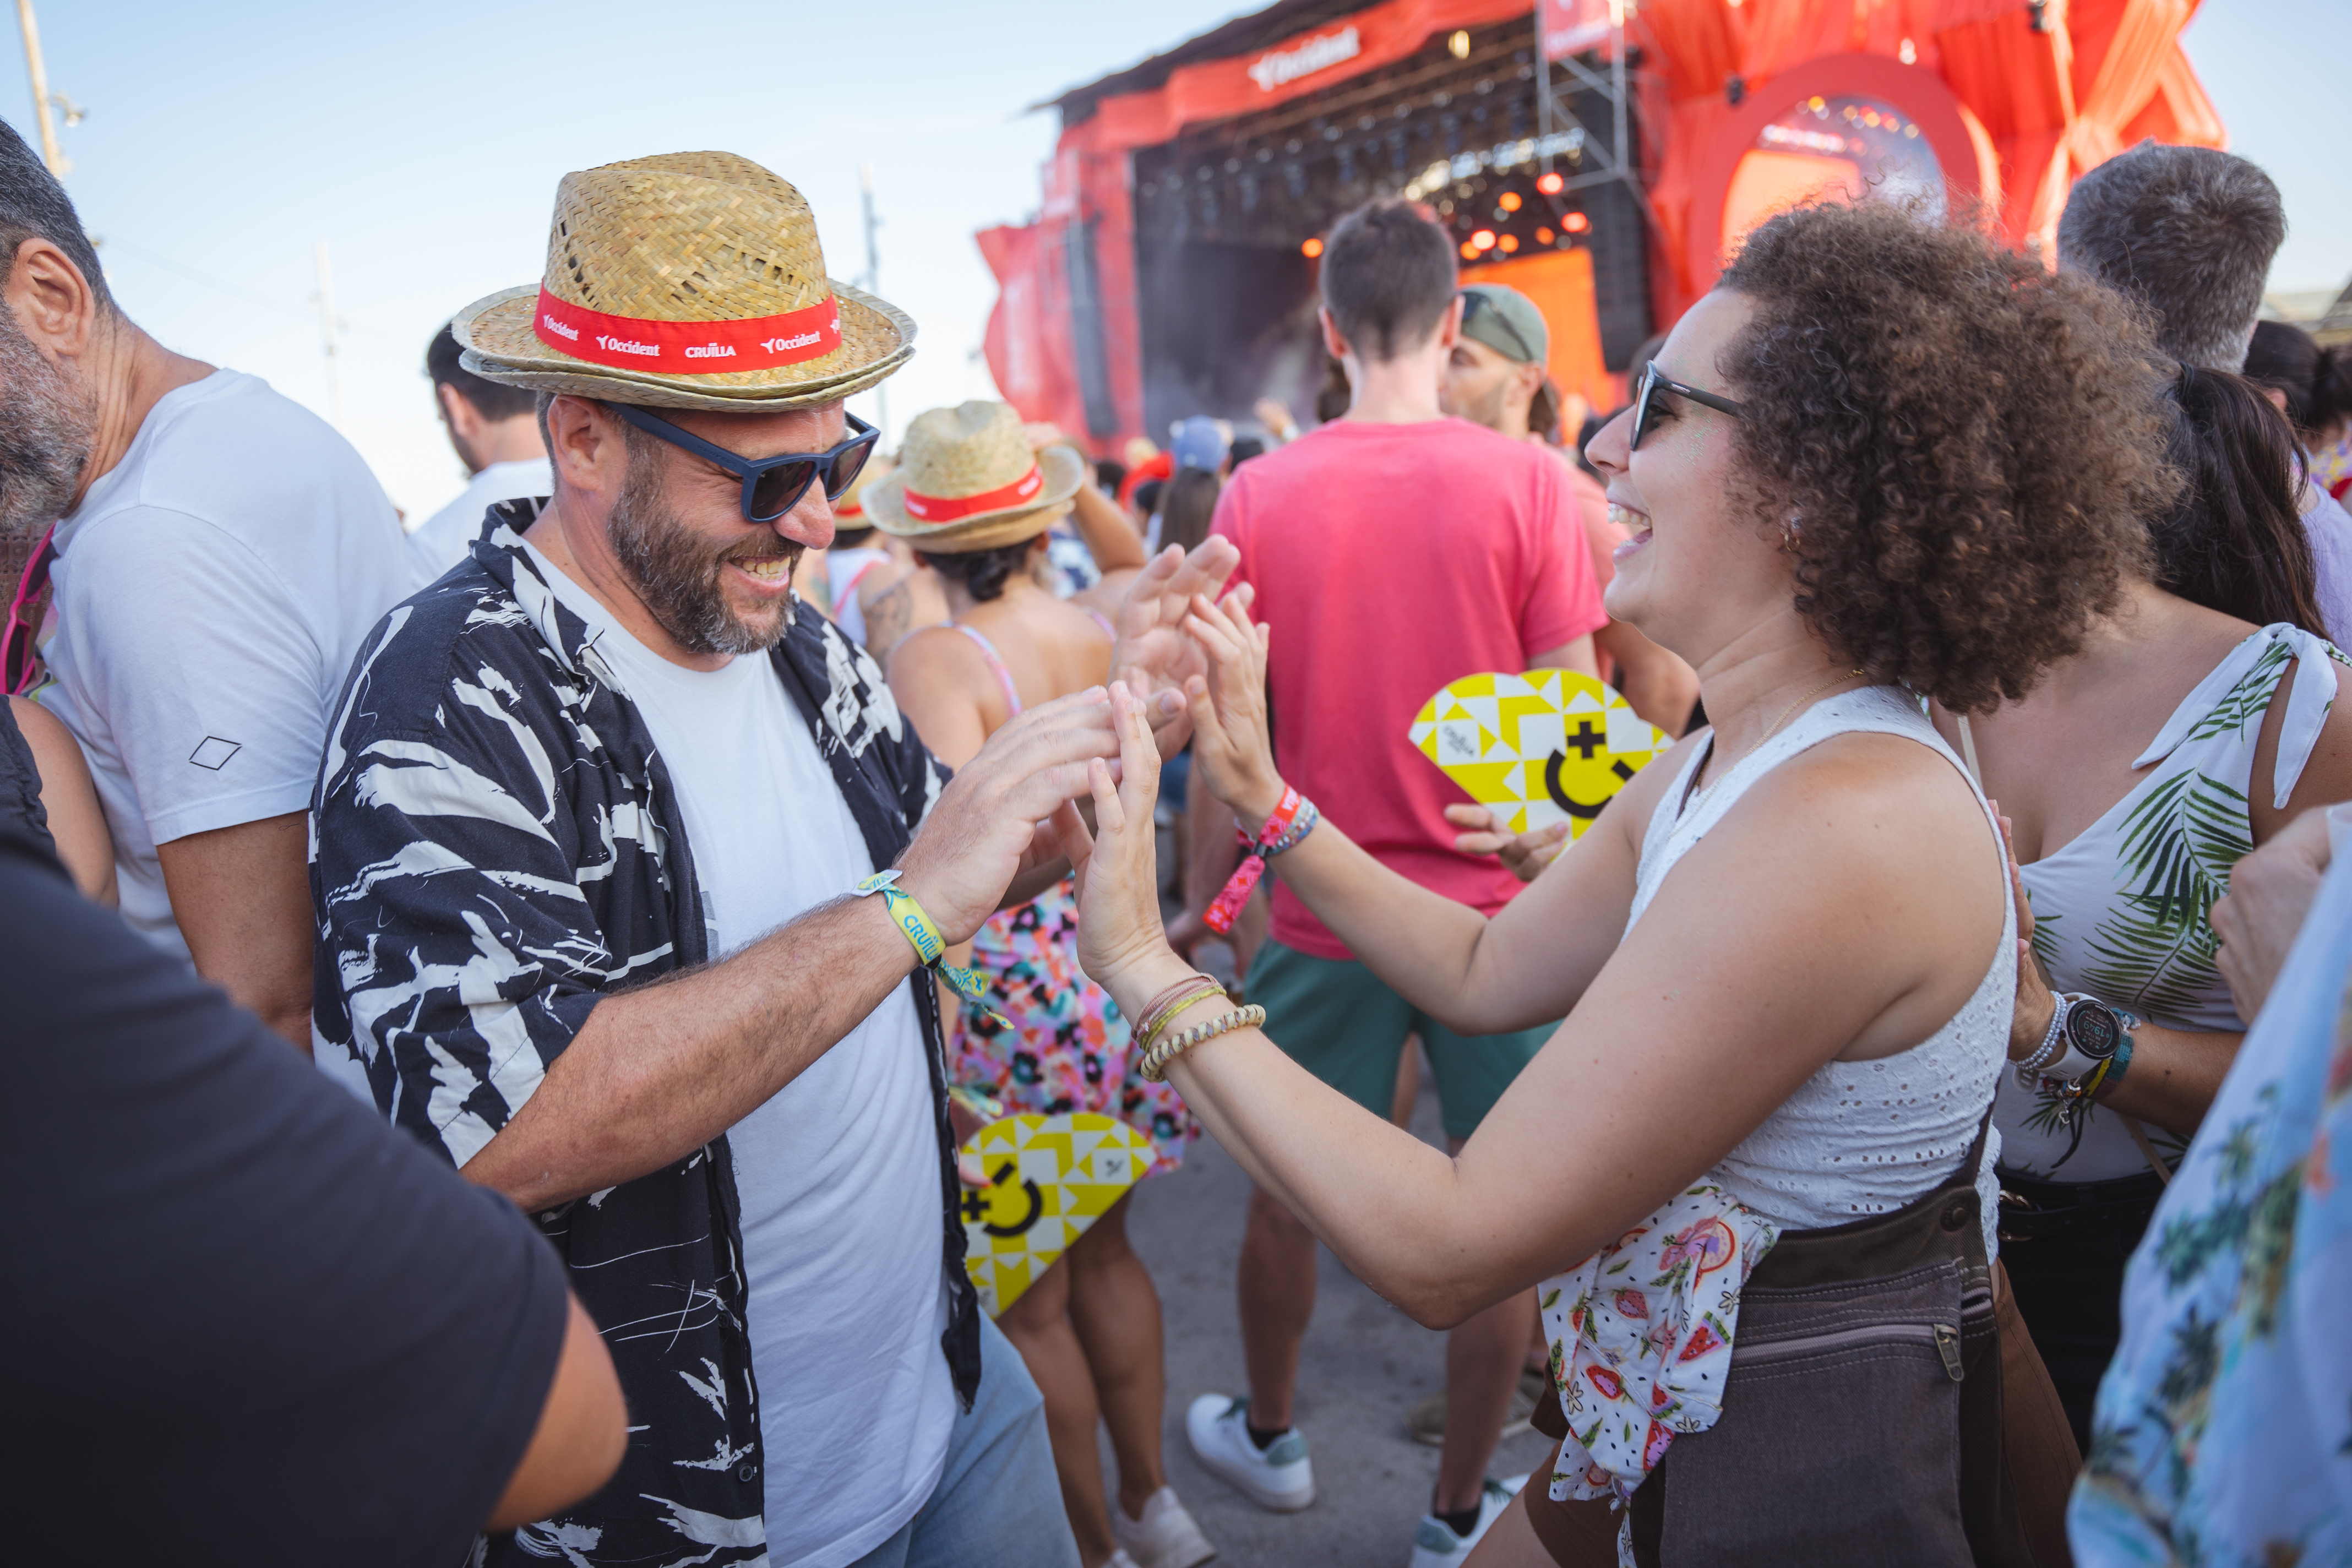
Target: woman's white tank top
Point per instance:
(1862, 1138)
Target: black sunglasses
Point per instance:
(1645, 402)
(771, 485)
(1472, 301)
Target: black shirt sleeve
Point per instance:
(247, 1322)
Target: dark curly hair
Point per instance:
(1960, 448)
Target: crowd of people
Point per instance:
(1904, 1127)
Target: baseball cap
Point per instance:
(1199, 443)
(1504, 320)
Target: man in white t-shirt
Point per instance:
(598, 834)
(495, 430)
(220, 552)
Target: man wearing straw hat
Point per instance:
(629, 879)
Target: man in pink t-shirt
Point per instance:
(1392, 551)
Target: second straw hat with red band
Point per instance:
(686, 280)
(967, 480)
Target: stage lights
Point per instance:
(1543, 236)
(1311, 249)
(1483, 240)
(1508, 201)
(1469, 252)
(1507, 244)
(1549, 184)
(1458, 46)
(1576, 223)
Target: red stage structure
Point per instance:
(1170, 269)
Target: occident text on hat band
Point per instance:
(689, 348)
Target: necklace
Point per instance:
(1785, 712)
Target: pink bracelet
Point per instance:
(1227, 908)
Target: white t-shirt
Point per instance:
(447, 538)
(838, 1173)
(211, 591)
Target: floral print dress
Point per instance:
(2223, 1436)
(1059, 1042)
(1067, 1045)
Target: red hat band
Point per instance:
(687, 348)
(951, 508)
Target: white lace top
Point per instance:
(1857, 1138)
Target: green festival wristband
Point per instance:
(915, 923)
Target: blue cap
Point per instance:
(1199, 443)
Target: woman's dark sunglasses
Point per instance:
(771, 485)
(1645, 402)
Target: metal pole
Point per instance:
(1543, 93)
(1617, 126)
(41, 74)
(327, 332)
(873, 285)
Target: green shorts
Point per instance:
(1337, 1019)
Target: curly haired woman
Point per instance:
(1751, 1175)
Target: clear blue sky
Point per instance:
(423, 143)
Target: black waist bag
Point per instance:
(1861, 1419)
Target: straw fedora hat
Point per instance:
(849, 512)
(967, 480)
(686, 280)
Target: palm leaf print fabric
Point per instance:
(2120, 913)
(496, 848)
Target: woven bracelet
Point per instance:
(1227, 906)
(1167, 1004)
(1155, 1064)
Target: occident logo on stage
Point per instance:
(1275, 67)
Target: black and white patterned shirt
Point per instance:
(496, 847)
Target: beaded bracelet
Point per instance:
(1155, 1062)
(1308, 816)
(2029, 1071)
(1167, 1004)
(1227, 908)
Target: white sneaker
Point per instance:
(1165, 1537)
(1435, 1544)
(1281, 1478)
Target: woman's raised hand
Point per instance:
(1231, 743)
(1119, 934)
(2029, 1024)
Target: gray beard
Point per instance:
(48, 427)
(675, 574)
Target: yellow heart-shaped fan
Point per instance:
(1547, 746)
(1050, 1178)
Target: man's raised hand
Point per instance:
(1153, 655)
(978, 836)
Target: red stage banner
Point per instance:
(1573, 26)
(1374, 37)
